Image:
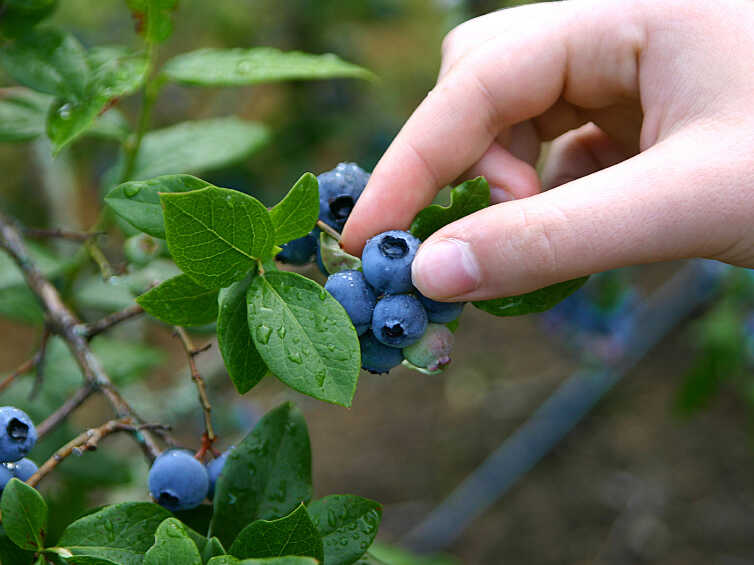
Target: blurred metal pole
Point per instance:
(695, 284)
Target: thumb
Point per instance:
(655, 206)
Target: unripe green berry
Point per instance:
(432, 351)
(141, 249)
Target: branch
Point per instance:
(87, 441)
(39, 363)
(35, 233)
(329, 230)
(35, 362)
(63, 323)
(57, 417)
(191, 353)
(104, 324)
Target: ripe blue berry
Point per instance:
(399, 320)
(339, 189)
(441, 312)
(432, 351)
(298, 251)
(351, 289)
(23, 469)
(386, 261)
(214, 468)
(5, 475)
(376, 357)
(17, 434)
(178, 481)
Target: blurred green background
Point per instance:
(640, 481)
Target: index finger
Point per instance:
(581, 49)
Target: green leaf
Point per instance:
(531, 302)
(334, 257)
(116, 72)
(213, 549)
(88, 560)
(242, 360)
(294, 534)
(138, 202)
(237, 67)
(387, 554)
(121, 533)
(465, 199)
(347, 524)
(296, 215)
(198, 146)
(304, 336)
(22, 114)
(216, 235)
(181, 302)
(24, 515)
(11, 553)
(111, 125)
(19, 15)
(265, 476)
(288, 560)
(49, 61)
(172, 545)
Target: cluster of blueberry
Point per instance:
(179, 481)
(339, 189)
(17, 436)
(394, 321)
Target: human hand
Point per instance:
(649, 104)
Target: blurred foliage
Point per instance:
(724, 340)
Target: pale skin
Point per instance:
(650, 108)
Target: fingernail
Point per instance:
(446, 268)
(498, 195)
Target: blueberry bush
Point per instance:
(207, 257)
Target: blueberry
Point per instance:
(432, 351)
(178, 481)
(23, 469)
(5, 475)
(339, 189)
(399, 320)
(298, 251)
(17, 434)
(351, 289)
(386, 261)
(376, 357)
(214, 468)
(441, 312)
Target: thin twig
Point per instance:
(104, 324)
(329, 230)
(39, 364)
(62, 322)
(99, 257)
(87, 441)
(191, 353)
(66, 409)
(25, 367)
(58, 233)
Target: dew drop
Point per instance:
(130, 190)
(281, 332)
(65, 111)
(295, 357)
(263, 333)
